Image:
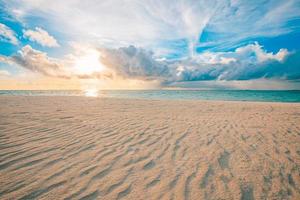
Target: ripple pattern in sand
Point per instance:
(92, 148)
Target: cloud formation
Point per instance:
(144, 22)
(152, 40)
(7, 35)
(132, 62)
(40, 36)
(39, 62)
(4, 73)
(245, 63)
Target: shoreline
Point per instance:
(154, 99)
(211, 95)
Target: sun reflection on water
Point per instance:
(91, 92)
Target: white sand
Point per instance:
(93, 148)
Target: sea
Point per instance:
(225, 95)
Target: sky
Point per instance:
(150, 44)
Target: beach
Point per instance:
(110, 148)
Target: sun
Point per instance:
(89, 63)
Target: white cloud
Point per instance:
(261, 54)
(127, 31)
(144, 22)
(245, 63)
(7, 35)
(251, 53)
(39, 62)
(129, 21)
(131, 63)
(4, 73)
(214, 58)
(3, 58)
(41, 36)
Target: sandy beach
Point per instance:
(101, 148)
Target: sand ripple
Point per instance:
(93, 148)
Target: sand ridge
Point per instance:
(97, 148)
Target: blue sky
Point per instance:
(235, 44)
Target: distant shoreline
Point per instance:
(284, 96)
(172, 101)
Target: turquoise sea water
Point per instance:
(229, 95)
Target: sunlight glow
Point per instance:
(91, 92)
(89, 63)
